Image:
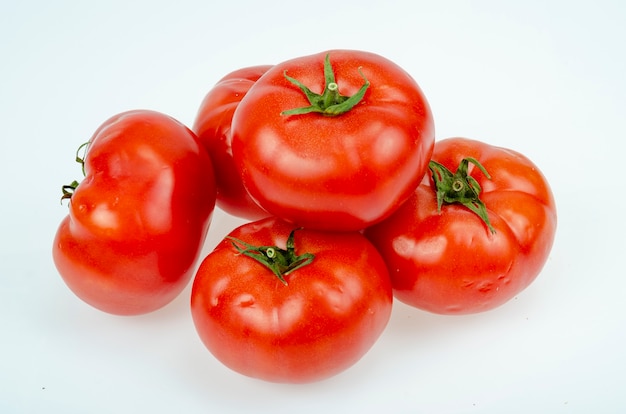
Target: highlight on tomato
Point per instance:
(138, 219)
(213, 127)
(333, 141)
(475, 233)
(292, 305)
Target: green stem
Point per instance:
(331, 95)
(330, 102)
(280, 261)
(68, 189)
(460, 188)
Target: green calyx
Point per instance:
(459, 187)
(330, 102)
(68, 189)
(280, 261)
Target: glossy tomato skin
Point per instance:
(213, 127)
(449, 262)
(138, 220)
(342, 172)
(323, 321)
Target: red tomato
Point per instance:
(322, 319)
(213, 127)
(138, 220)
(454, 262)
(333, 141)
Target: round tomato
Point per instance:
(333, 141)
(138, 220)
(297, 313)
(466, 241)
(213, 127)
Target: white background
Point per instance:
(547, 78)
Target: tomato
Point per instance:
(333, 141)
(297, 313)
(474, 247)
(138, 220)
(213, 127)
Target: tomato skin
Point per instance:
(213, 127)
(342, 172)
(449, 262)
(323, 321)
(138, 220)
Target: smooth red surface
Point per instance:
(138, 220)
(323, 321)
(213, 127)
(334, 173)
(449, 262)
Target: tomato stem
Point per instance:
(459, 187)
(280, 261)
(68, 189)
(330, 102)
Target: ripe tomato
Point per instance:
(213, 127)
(333, 141)
(332, 304)
(138, 220)
(443, 257)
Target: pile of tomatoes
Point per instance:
(348, 200)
